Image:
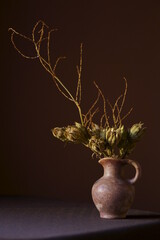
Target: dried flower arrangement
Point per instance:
(105, 139)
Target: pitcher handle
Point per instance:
(137, 167)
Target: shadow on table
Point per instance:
(151, 216)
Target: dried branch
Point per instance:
(48, 44)
(47, 63)
(127, 114)
(79, 72)
(91, 117)
(55, 78)
(101, 121)
(54, 74)
(104, 104)
(124, 95)
(90, 109)
(14, 45)
(116, 106)
(56, 63)
(21, 35)
(119, 120)
(37, 45)
(38, 36)
(113, 110)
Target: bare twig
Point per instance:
(38, 36)
(124, 95)
(48, 45)
(37, 45)
(56, 63)
(113, 110)
(119, 120)
(101, 121)
(91, 117)
(104, 104)
(47, 63)
(90, 109)
(127, 114)
(79, 72)
(23, 36)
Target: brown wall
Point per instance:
(119, 40)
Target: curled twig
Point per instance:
(23, 36)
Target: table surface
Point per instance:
(34, 218)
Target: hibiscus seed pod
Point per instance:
(93, 144)
(108, 152)
(59, 133)
(110, 138)
(113, 140)
(108, 133)
(83, 129)
(122, 130)
(95, 130)
(103, 133)
(76, 135)
(118, 137)
(136, 131)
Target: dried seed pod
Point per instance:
(108, 133)
(113, 140)
(108, 152)
(83, 129)
(76, 134)
(59, 133)
(122, 130)
(96, 145)
(95, 130)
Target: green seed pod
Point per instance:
(136, 131)
(103, 133)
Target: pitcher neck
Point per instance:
(112, 167)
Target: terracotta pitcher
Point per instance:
(112, 194)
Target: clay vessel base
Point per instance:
(110, 216)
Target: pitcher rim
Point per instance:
(111, 158)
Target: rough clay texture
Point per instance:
(112, 194)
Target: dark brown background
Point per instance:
(120, 39)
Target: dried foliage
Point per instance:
(108, 138)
